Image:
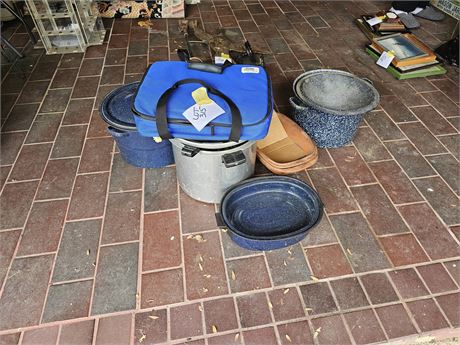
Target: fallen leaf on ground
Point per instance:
(286, 291)
(233, 275)
(145, 23)
(349, 158)
(199, 238)
(314, 278)
(288, 338)
(214, 329)
(153, 317)
(317, 332)
(142, 338)
(425, 339)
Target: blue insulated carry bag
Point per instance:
(243, 92)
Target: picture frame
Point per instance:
(406, 47)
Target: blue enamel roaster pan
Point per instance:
(266, 213)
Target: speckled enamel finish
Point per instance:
(270, 212)
(142, 152)
(330, 104)
(327, 130)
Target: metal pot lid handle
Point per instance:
(220, 221)
(189, 151)
(233, 159)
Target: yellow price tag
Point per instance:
(225, 56)
(391, 53)
(157, 139)
(201, 97)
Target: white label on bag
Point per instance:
(385, 59)
(200, 115)
(250, 70)
(374, 21)
(219, 60)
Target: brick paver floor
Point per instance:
(92, 251)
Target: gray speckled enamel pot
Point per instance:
(330, 105)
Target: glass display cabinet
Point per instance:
(66, 26)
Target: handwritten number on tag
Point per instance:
(200, 115)
(199, 112)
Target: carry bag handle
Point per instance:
(205, 67)
(162, 120)
(208, 67)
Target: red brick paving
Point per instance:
(43, 228)
(41, 336)
(220, 315)
(254, 310)
(84, 235)
(403, 249)
(328, 261)
(285, 304)
(77, 333)
(115, 329)
(186, 321)
(349, 293)
(378, 288)
(333, 330)
(448, 304)
(364, 327)
(427, 315)
(395, 321)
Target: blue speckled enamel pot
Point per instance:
(272, 212)
(330, 104)
(135, 149)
